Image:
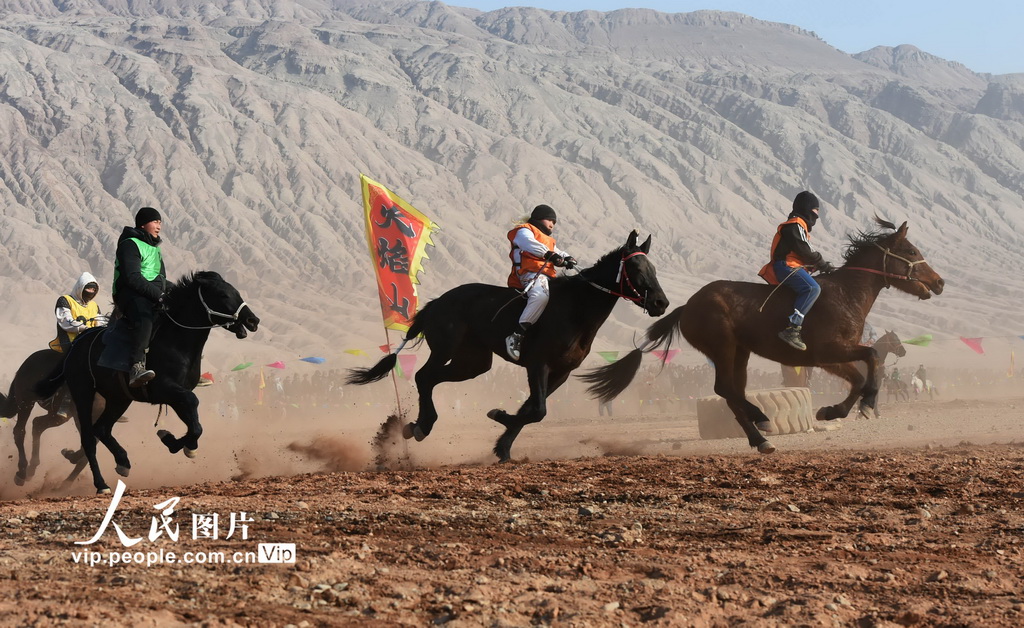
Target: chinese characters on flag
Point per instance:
(398, 236)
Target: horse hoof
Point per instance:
(103, 491)
(162, 434)
(189, 453)
(122, 471)
(493, 414)
(766, 448)
(19, 479)
(407, 432)
(765, 426)
(417, 433)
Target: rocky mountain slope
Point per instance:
(248, 122)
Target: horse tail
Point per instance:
(46, 387)
(607, 382)
(375, 373)
(381, 369)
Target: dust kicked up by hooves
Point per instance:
(391, 450)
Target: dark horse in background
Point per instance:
(888, 344)
(21, 399)
(466, 326)
(195, 304)
(729, 320)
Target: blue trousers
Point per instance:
(800, 281)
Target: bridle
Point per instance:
(210, 313)
(886, 254)
(623, 281)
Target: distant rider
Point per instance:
(76, 312)
(534, 258)
(791, 255)
(139, 282)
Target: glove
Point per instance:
(101, 320)
(554, 258)
(161, 304)
(825, 268)
(570, 262)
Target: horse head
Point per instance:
(639, 277)
(897, 259)
(891, 342)
(216, 301)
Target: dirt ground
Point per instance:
(913, 519)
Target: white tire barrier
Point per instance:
(788, 410)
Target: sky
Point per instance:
(984, 35)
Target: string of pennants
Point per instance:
(407, 362)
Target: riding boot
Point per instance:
(513, 344)
(139, 375)
(791, 336)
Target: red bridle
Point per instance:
(887, 253)
(622, 279)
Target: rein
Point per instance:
(210, 313)
(887, 253)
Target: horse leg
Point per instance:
(88, 439)
(849, 372)
(761, 422)
(542, 382)
(40, 424)
(103, 429)
(186, 405)
(727, 386)
(19, 441)
(466, 364)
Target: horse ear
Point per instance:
(902, 231)
(633, 237)
(646, 246)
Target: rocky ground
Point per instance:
(904, 521)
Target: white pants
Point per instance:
(536, 297)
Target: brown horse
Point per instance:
(729, 320)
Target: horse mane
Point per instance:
(188, 280)
(612, 256)
(867, 239)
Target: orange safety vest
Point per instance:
(528, 262)
(767, 271)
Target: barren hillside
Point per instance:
(248, 123)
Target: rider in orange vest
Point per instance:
(791, 256)
(534, 258)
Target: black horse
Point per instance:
(21, 399)
(467, 325)
(195, 304)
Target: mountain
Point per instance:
(247, 123)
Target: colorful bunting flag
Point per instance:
(665, 356)
(922, 341)
(275, 365)
(242, 366)
(974, 343)
(356, 352)
(259, 392)
(398, 236)
(610, 356)
(385, 348)
(207, 375)
(408, 363)
(313, 360)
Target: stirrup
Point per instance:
(513, 344)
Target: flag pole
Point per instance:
(394, 378)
